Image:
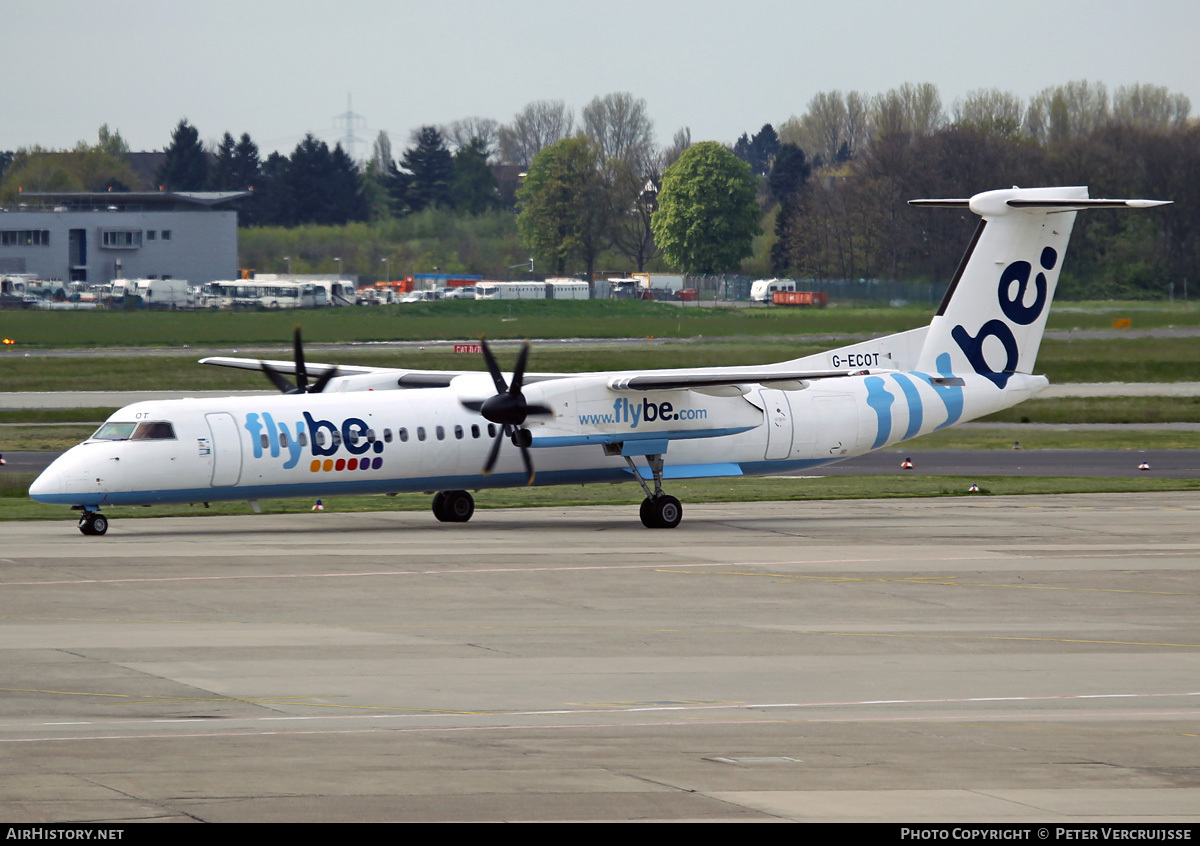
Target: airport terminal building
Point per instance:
(98, 237)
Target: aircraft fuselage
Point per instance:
(313, 445)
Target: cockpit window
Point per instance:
(154, 432)
(114, 432)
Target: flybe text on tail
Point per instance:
(1012, 298)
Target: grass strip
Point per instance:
(1089, 360)
(517, 319)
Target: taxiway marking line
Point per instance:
(957, 719)
(413, 713)
(930, 580)
(658, 565)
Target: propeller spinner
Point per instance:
(507, 409)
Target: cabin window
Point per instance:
(387, 436)
(114, 432)
(264, 440)
(352, 437)
(441, 433)
(319, 438)
(420, 433)
(458, 432)
(302, 438)
(370, 436)
(403, 435)
(491, 430)
(154, 432)
(474, 430)
(283, 439)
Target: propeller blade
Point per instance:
(301, 371)
(493, 367)
(323, 380)
(493, 454)
(519, 370)
(528, 464)
(277, 379)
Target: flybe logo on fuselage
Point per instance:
(323, 439)
(1011, 295)
(647, 411)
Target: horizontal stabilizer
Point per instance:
(1080, 205)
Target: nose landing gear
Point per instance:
(93, 523)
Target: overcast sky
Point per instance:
(281, 68)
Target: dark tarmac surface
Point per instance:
(1008, 659)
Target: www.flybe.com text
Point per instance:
(635, 413)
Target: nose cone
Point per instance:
(48, 484)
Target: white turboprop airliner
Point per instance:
(360, 430)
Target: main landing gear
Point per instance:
(658, 510)
(93, 523)
(453, 506)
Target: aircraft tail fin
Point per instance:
(993, 315)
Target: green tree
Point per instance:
(85, 167)
(247, 167)
(707, 210)
(785, 183)
(564, 202)
(186, 165)
(272, 201)
(759, 151)
(111, 142)
(431, 170)
(473, 189)
(314, 185)
(220, 177)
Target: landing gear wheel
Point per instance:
(453, 506)
(93, 523)
(661, 512)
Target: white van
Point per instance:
(763, 290)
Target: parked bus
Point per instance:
(247, 293)
(567, 289)
(510, 291)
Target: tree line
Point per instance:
(820, 196)
(846, 216)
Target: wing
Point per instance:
(357, 377)
(288, 367)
